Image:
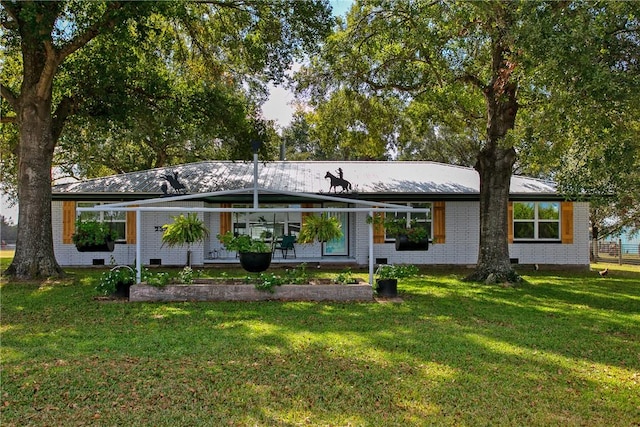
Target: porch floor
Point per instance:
(327, 260)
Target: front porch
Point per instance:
(276, 259)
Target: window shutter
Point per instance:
(306, 214)
(131, 227)
(68, 221)
(378, 227)
(510, 222)
(566, 209)
(439, 227)
(225, 219)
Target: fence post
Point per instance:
(620, 251)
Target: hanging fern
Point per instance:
(185, 230)
(322, 228)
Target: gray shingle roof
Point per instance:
(366, 177)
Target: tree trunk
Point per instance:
(34, 257)
(39, 127)
(495, 168)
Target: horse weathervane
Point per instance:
(178, 187)
(338, 181)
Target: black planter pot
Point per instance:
(255, 262)
(387, 287)
(404, 244)
(107, 246)
(122, 289)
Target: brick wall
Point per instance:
(460, 247)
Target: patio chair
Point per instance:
(286, 244)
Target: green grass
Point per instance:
(562, 349)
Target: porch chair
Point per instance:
(286, 244)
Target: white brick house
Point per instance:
(544, 228)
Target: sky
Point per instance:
(278, 108)
(279, 105)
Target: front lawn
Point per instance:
(562, 349)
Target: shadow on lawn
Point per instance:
(547, 314)
(464, 352)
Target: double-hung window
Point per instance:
(415, 219)
(116, 220)
(536, 221)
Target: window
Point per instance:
(421, 219)
(536, 221)
(116, 220)
(266, 226)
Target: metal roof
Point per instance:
(390, 178)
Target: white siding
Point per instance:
(576, 254)
(460, 247)
(463, 238)
(150, 239)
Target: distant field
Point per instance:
(615, 267)
(6, 253)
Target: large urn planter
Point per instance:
(255, 255)
(123, 289)
(106, 246)
(387, 288)
(403, 243)
(255, 262)
(388, 275)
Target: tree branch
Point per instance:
(9, 119)
(64, 110)
(475, 81)
(9, 96)
(11, 10)
(56, 56)
(106, 21)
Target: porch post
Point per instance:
(371, 250)
(255, 180)
(138, 249)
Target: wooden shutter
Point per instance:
(131, 227)
(306, 214)
(225, 219)
(439, 227)
(68, 221)
(510, 222)
(566, 214)
(378, 227)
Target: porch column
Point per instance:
(138, 249)
(371, 250)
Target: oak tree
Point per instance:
(256, 39)
(482, 64)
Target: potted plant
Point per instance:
(185, 230)
(321, 228)
(94, 236)
(116, 281)
(409, 237)
(387, 276)
(255, 255)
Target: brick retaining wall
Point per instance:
(209, 292)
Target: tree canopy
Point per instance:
(134, 50)
(548, 81)
(582, 129)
